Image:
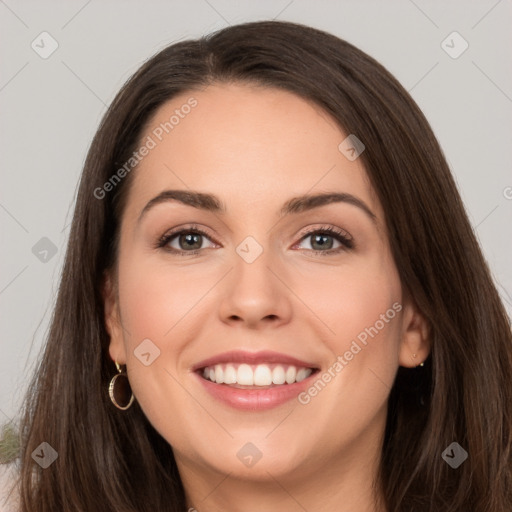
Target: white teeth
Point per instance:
(219, 374)
(291, 373)
(244, 375)
(229, 375)
(302, 374)
(262, 375)
(255, 375)
(278, 375)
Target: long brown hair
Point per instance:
(111, 460)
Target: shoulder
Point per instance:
(9, 499)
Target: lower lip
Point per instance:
(255, 399)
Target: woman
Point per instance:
(272, 299)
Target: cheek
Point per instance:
(355, 302)
(153, 304)
(160, 303)
(366, 310)
(362, 306)
(154, 299)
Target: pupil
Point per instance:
(321, 240)
(191, 239)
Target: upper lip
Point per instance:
(240, 356)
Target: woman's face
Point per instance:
(307, 329)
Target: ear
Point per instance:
(113, 320)
(415, 343)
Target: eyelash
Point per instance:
(340, 235)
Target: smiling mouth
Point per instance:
(257, 376)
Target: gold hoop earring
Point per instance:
(119, 390)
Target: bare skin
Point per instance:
(255, 148)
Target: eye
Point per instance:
(323, 240)
(185, 241)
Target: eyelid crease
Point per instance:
(328, 229)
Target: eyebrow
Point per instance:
(211, 203)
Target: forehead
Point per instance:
(248, 145)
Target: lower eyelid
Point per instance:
(342, 247)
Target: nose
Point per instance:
(255, 295)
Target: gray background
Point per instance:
(51, 109)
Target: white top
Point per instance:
(9, 501)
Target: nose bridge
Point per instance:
(254, 293)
